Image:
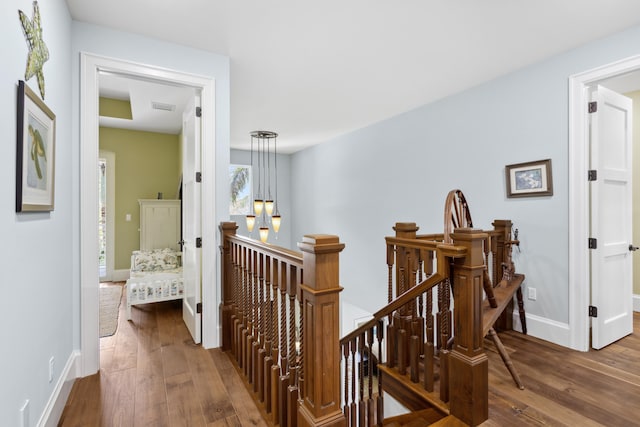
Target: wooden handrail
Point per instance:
(291, 256)
(394, 305)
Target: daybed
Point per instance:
(155, 276)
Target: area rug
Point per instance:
(110, 296)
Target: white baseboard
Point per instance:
(57, 401)
(120, 275)
(543, 328)
(636, 302)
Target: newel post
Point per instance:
(227, 306)
(469, 367)
(320, 404)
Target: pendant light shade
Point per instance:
(251, 222)
(264, 234)
(258, 205)
(275, 221)
(267, 207)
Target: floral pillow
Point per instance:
(155, 260)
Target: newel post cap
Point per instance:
(320, 244)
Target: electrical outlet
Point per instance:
(24, 414)
(532, 294)
(52, 365)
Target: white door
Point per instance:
(611, 216)
(191, 221)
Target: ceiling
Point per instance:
(314, 70)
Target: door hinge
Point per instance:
(198, 176)
(593, 243)
(199, 307)
(198, 242)
(593, 107)
(593, 175)
(198, 111)
(593, 311)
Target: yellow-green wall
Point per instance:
(635, 96)
(146, 163)
(118, 108)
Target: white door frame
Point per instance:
(579, 268)
(90, 66)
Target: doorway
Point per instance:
(91, 67)
(580, 87)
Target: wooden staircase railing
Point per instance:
(280, 322)
(416, 346)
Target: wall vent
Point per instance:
(161, 106)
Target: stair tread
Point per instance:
(422, 399)
(414, 419)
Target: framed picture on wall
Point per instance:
(529, 179)
(240, 179)
(35, 160)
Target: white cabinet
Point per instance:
(159, 224)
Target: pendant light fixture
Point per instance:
(265, 210)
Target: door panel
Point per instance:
(611, 215)
(191, 225)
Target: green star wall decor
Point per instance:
(38, 52)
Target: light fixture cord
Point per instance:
(275, 162)
(252, 212)
(269, 167)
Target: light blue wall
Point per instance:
(358, 185)
(36, 280)
(283, 238)
(135, 48)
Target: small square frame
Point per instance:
(35, 159)
(529, 179)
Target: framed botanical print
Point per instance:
(35, 160)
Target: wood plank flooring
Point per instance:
(153, 375)
(564, 387)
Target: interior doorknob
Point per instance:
(633, 248)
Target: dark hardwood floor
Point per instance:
(565, 387)
(153, 375)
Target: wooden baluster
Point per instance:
(414, 356)
(379, 399)
(469, 371)
(283, 381)
(402, 347)
(239, 301)
(362, 410)
(243, 322)
(267, 361)
(354, 405)
(272, 355)
(370, 368)
(390, 258)
(392, 348)
(259, 346)
(292, 389)
(345, 408)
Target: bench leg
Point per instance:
(523, 318)
(505, 358)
